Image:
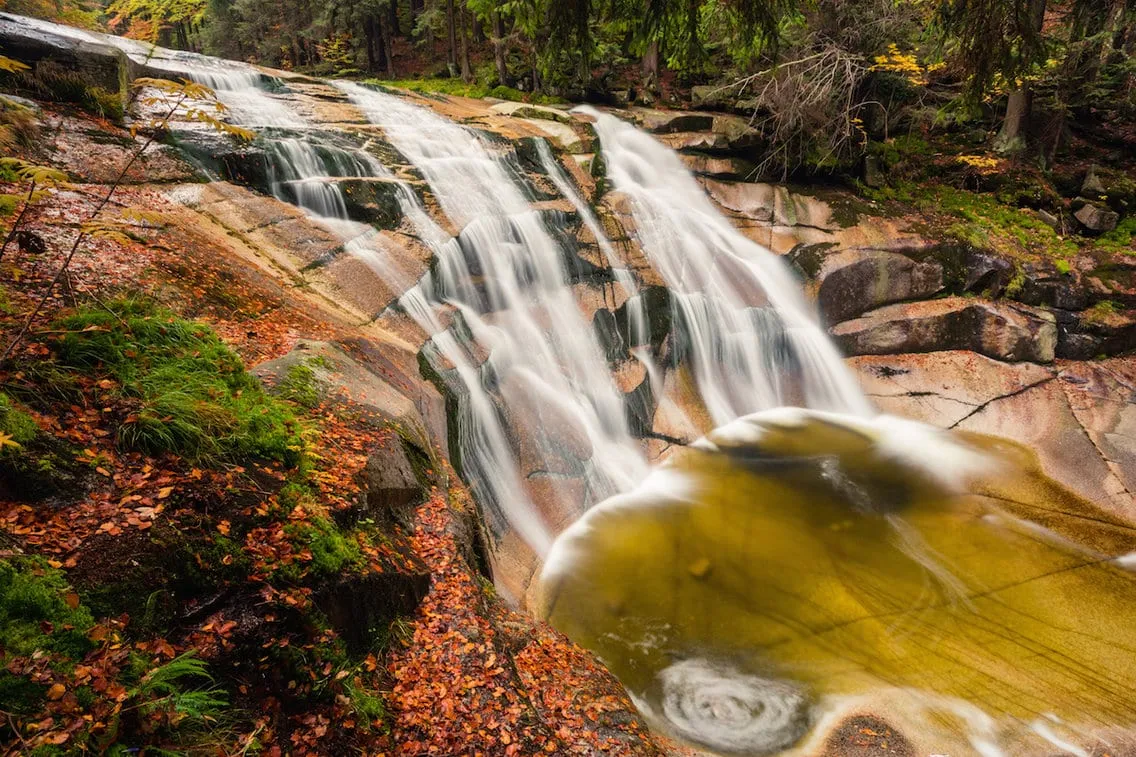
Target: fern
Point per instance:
(37, 174)
(168, 688)
(12, 66)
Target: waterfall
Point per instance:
(543, 431)
(518, 342)
(746, 327)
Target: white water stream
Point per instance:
(744, 319)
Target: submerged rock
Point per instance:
(795, 567)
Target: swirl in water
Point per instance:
(732, 712)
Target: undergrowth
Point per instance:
(981, 220)
(188, 393)
(459, 88)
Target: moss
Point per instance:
(189, 392)
(1120, 239)
(1100, 313)
(18, 426)
(368, 707)
(299, 385)
(1015, 284)
(982, 220)
(34, 597)
(439, 86)
(459, 88)
(331, 550)
(39, 613)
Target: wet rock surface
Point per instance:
(997, 330)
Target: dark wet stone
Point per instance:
(866, 736)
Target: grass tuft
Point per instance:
(189, 392)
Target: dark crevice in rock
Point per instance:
(979, 408)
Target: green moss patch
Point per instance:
(39, 614)
(982, 220)
(17, 428)
(187, 392)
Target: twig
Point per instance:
(19, 219)
(83, 234)
(30, 195)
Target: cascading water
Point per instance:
(505, 278)
(745, 324)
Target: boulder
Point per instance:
(1100, 330)
(53, 50)
(525, 110)
(737, 132)
(1097, 220)
(671, 121)
(1043, 284)
(695, 141)
(719, 167)
(758, 201)
(995, 329)
(852, 282)
(393, 490)
(563, 134)
(1092, 186)
(324, 373)
(710, 96)
(1047, 218)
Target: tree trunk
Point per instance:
(651, 67)
(388, 49)
(499, 49)
(415, 11)
(393, 18)
(369, 39)
(381, 61)
(1011, 137)
(466, 68)
(451, 34)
